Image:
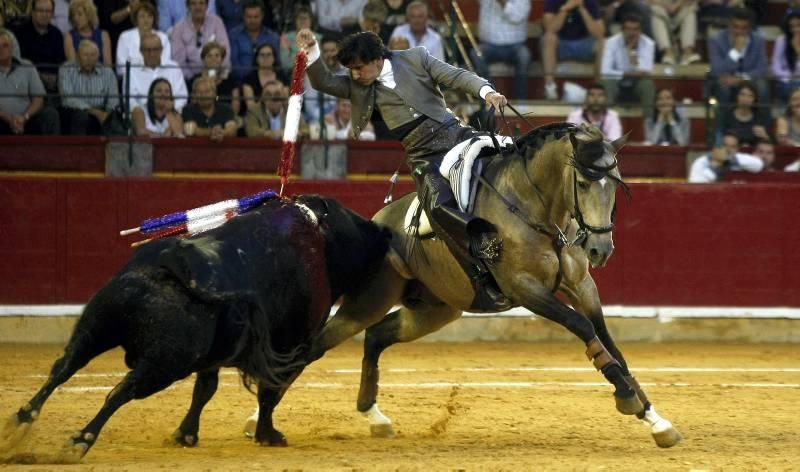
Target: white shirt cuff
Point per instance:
(484, 91)
(312, 54)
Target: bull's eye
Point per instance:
(583, 185)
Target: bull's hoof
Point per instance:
(185, 440)
(381, 431)
(629, 405)
(274, 439)
(667, 438)
(13, 432)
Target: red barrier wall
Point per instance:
(677, 244)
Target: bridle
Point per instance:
(584, 228)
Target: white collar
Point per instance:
(386, 77)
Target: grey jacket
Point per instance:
(417, 75)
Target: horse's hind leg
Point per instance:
(586, 300)
(205, 385)
(403, 325)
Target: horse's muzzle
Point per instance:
(599, 248)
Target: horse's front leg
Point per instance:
(585, 299)
(534, 296)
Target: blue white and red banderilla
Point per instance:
(197, 220)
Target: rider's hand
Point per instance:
(305, 39)
(496, 99)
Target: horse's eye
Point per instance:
(583, 185)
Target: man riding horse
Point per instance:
(403, 87)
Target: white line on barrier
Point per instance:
(689, 370)
(479, 385)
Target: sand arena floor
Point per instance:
(454, 406)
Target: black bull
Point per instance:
(249, 294)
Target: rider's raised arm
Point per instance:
(322, 79)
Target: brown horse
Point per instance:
(557, 177)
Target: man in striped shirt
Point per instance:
(88, 91)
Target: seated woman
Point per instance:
(213, 55)
(268, 117)
(787, 127)
(144, 17)
(204, 116)
(265, 71)
(85, 25)
(339, 122)
(160, 118)
(668, 125)
(785, 54)
(746, 119)
(303, 19)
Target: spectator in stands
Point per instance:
(395, 16)
(628, 64)
(721, 160)
(268, 117)
(14, 43)
(398, 43)
(265, 71)
(192, 33)
(373, 15)
(738, 54)
(303, 19)
(89, 91)
(172, 12)
(785, 66)
(596, 113)
(231, 12)
(117, 16)
(765, 150)
(154, 67)
(22, 108)
(339, 123)
(667, 125)
(86, 25)
(246, 37)
(418, 32)
(669, 16)
(746, 119)
(129, 42)
(317, 105)
(43, 44)
(613, 11)
(787, 127)
(204, 116)
(158, 118)
(573, 31)
(339, 16)
(503, 33)
(213, 55)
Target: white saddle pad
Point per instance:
(457, 167)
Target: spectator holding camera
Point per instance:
(724, 158)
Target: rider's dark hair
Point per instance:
(364, 47)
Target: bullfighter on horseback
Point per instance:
(403, 87)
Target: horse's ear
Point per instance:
(619, 142)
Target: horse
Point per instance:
(552, 197)
(249, 294)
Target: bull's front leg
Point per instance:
(268, 398)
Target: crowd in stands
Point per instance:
(221, 68)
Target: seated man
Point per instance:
(43, 44)
(22, 109)
(726, 157)
(503, 31)
(596, 113)
(268, 117)
(88, 91)
(204, 116)
(192, 33)
(574, 31)
(153, 68)
(765, 150)
(628, 63)
(417, 31)
(247, 37)
(339, 123)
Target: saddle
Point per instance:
(461, 166)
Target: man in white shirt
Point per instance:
(628, 63)
(153, 68)
(722, 159)
(503, 31)
(595, 112)
(417, 31)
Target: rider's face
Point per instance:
(366, 73)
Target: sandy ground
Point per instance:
(454, 406)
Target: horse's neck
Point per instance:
(545, 200)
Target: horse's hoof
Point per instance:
(73, 451)
(381, 431)
(185, 440)
(667, 438)
(629, 405)
(13, 433)
(275, 439)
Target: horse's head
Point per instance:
(594, 180)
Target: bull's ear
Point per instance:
(619, 142)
